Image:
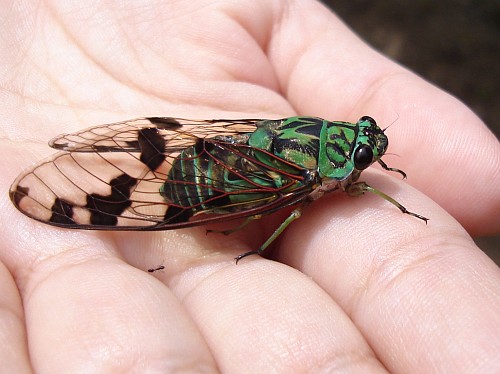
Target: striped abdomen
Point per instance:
(221, 178)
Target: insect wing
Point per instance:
(109, 177)
(178, 133)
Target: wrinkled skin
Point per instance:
(356, 285)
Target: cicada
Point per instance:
(162, 173)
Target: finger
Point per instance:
(424, 296)
(85, 308)
(329, 72)
(260, 314)
(86, 311)
(14, 352)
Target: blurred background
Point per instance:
(453, 43)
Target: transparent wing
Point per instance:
(177, 133)
(110, 177)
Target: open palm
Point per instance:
(365, 287)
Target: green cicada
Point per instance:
(162, 173)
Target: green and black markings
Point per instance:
(161, 173)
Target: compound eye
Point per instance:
(363, 157)
(369, 119)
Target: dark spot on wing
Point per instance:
(17, 195)
(165, 122)
(152, 146)
(105, 209)
(133, 145)
(176, 214)
(62, 212)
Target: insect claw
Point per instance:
(425, 219)
(239, 257)
(384, 166)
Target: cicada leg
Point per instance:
(296, 213)
(360, 188)
(384, 165)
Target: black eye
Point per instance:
(363, 157)
(369, 119)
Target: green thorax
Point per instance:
(334, 149)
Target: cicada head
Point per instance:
(347, 148)
(370, 145)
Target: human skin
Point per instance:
(355, 285)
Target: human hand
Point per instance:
(365, 287)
